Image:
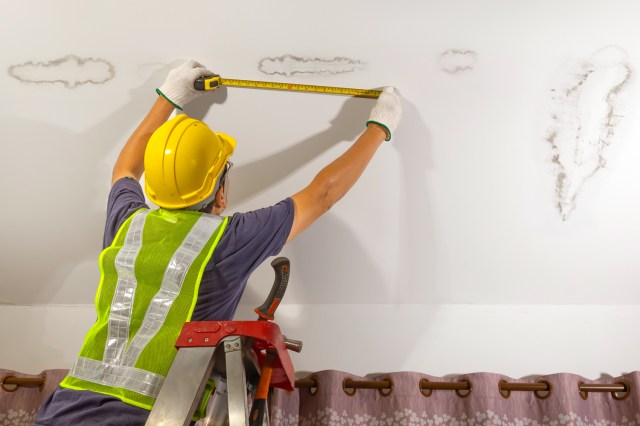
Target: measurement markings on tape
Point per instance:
(213, 82)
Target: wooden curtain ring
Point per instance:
(537, 394)
(503, 393)
(387, 391)
(346, 390)
(424, 391)
(468, 391)
(8, 387)
(313, 390)
(625, 394)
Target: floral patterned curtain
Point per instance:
(410, 398)
(22, 394)
(333, 397)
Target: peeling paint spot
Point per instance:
(289, 65)
(71, 71)
(454, 61)
(588, 110)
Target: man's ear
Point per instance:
(220, 202)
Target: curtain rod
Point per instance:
(11, 383)
(542, 389)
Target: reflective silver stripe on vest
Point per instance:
(171, 285)
(122, 303)
(121, 376)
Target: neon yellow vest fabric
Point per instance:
(148, 289)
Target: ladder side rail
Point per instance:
(183, 387)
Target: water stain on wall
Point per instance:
(587, 110)
(71, 71)
(289, 65)
(454, 61)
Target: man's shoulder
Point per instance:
(263, 217)
(262, 229)
(125, 198)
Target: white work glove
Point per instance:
(178, 86)
(387, 110)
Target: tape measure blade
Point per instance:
(365, 93)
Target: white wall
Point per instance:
(511, 185)
(518, 341)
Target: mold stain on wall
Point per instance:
(587, 110)
(289, 65)
(71, 71)
(455, 61)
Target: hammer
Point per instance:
(265, 313)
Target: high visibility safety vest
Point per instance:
(148, 289)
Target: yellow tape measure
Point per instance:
(215, 81)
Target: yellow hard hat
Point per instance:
(182, 162)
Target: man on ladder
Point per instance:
(182, 262)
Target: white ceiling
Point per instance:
(461, 207)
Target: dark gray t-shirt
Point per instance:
(248, 240)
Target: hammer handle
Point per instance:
(267, 309)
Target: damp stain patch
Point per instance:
(70, 71)
(456, 61)
(587, 110)
(289, 65)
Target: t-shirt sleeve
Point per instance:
(254, 236)
(125, 198)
